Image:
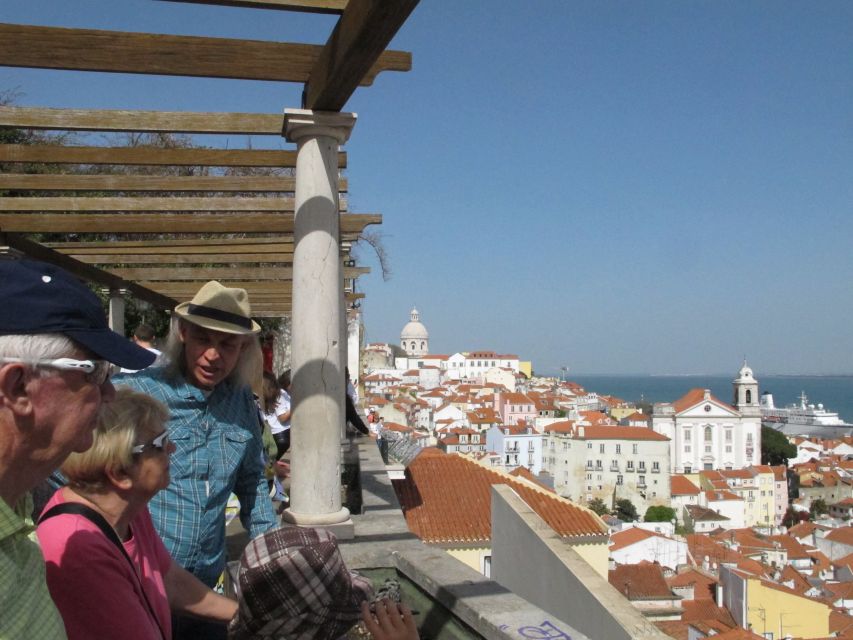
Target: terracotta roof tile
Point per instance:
(446, 498)
(706, 610)
(618, 433)
(694, 397)
(640, 581)
(523, 472)
(704, 585)
(700, 546)
(844, 535)
(627, 537)
(681, 486)
(675, 629)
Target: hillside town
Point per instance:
(670, 503)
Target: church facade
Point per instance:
(706, 433)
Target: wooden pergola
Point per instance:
(237, 229)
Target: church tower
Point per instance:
(414, 338)
(746, 399)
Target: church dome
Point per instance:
(414, 338)
(745, 374)
(414, 329)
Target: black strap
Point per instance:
(93, 516)
(219, 314)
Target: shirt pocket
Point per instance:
(181, 462)
(234, 448)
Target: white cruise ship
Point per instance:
(803, 418)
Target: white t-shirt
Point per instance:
(281, 406)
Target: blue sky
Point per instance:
(657, 187)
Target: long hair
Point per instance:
(245, 373)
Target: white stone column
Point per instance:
(317, 348)
(115, 317)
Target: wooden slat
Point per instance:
(285, 258)
(177, 244)
(148, 204)
(148, 53)
(280, 290)
(85, 271)
(152, 156)
(75, 182)
(143, 121)
(355, 46)
(304, 6)
(167, 223)
(175, 274)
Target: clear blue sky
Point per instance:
(615, 187)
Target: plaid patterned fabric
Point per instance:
(218, 452)
(26, 610)
(294, 585)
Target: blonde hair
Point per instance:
(130, 417)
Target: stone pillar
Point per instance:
(115, 317)
(317, 354)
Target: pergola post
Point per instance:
(115, 317)
(318, 350)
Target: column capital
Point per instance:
(304, 123)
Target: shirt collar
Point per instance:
(15, 520)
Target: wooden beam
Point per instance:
(304, 6)
(144, 121)
(356, 44)
(211, 223)
(148, 53)
(177, 244)
(118, 182)
(175, 274)
(85, 271)
(232, 204)
(279, 290)
(152, 156)
(285, 258)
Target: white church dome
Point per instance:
(414, 329)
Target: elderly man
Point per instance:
(211, 356)
(55, 355)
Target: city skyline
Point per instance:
(619, 187)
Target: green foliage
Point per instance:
(818, 508)
(775, 448)
(659, 514)
(597, 505)
(625, 510)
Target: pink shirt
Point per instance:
(93, 585)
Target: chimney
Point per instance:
(707, 394)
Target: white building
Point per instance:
(706, 433)
(474, 365)
(635, 545)
(517, 446)
(608, 462)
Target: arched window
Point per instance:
(422, 346)
(708, 434)
(748, 396)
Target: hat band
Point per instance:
(218, 314)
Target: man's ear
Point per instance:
(14, 395)
(182, 330)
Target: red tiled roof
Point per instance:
(704, 585)
(706, 610)
(446, 498)
(681, 486)
(627, 537)
(567, 426)
(640, 581)
(701, 546)
(694, 397)
(619, 433)
(844, 535)
(675, 629)
(524, 472)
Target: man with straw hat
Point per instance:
(211, 356)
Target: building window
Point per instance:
(589, 445)
(641, 481)
(687, 448)
(618, 448)
(728, 435)
(565, 446)
(618, 479)
(687, 434)
(709, 434)
(642, 466)
(655, 467)
(635, 449)
(601, 448)
(728, 448)
(630, 465)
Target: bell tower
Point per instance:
(746, 399)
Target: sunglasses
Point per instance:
(160, 443)
(96, 372)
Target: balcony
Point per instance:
(655, 469)
(528, 597)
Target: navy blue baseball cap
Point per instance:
(36, 297)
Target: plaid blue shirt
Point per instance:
(218, 452)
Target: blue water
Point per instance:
(834, 392)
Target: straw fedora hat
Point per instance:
(221, 309)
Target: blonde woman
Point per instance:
(107, 569)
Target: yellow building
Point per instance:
(766, 608)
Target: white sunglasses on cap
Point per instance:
(160, 442)
(96, 371)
